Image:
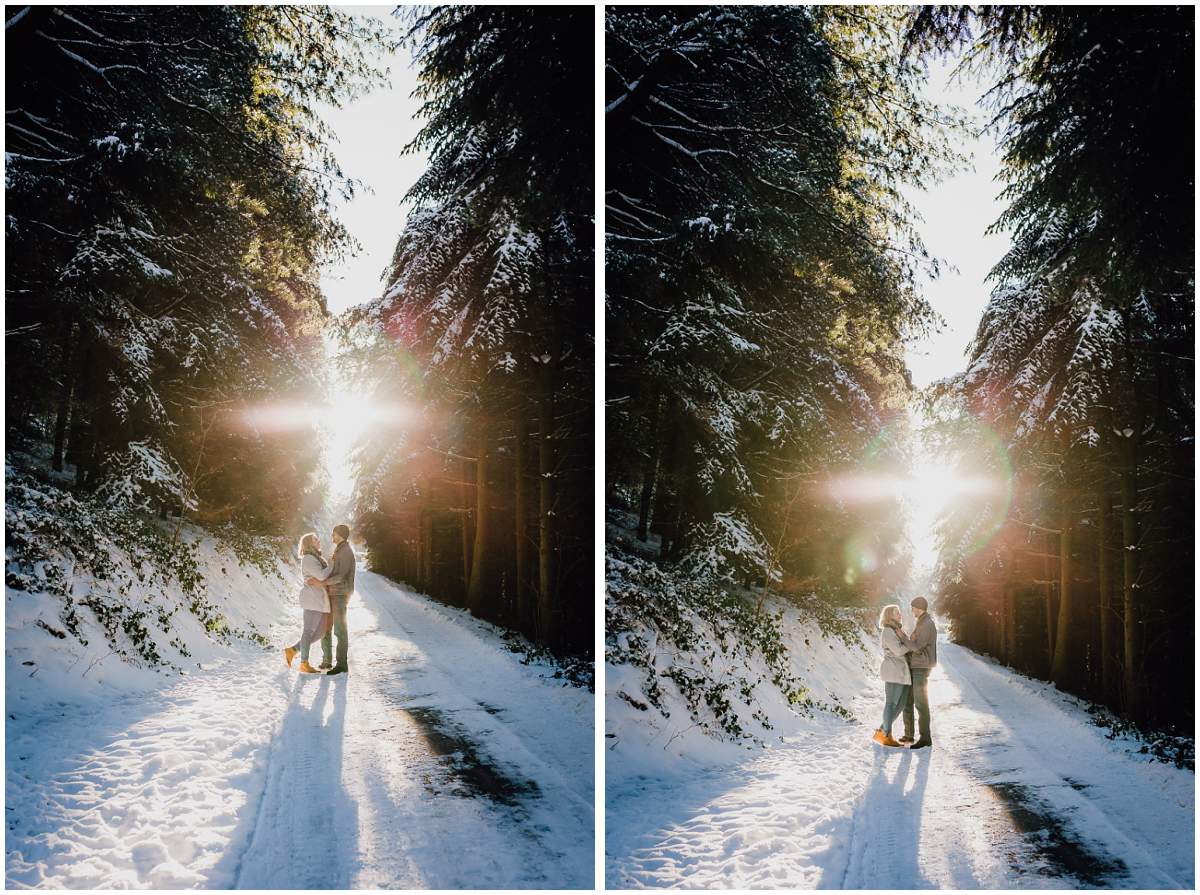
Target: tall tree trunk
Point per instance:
(419, 559)
(1001, 639)
(1108, 683)
(649, 475)
(1008, 602)
(81, 435)
(546, 597)
(464, 491)
(477, 588)
(520, 522)
(1049, 587)
(1134, 701)
(1049, 626)
(427, 556)
(1062, 642)
(65, 394)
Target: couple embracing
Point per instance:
(327, 588)
(907, 661)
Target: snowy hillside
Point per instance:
(156, 739)
(98, 601)
(699, 688)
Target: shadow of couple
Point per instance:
(885, 835)
(305, 815)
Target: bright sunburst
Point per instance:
(926, 490)
(343, 423)
(340, 422)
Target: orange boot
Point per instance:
(289, 653)
(308, 669)
(883, 739)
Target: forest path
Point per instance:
(1019, 791)
(440, 761)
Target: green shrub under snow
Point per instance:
(712, 642)
(131, 572)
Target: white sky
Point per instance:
(371, 133)
(956, 213)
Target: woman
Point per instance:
(894, 670)
(313, 599)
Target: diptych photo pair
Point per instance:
(576, 447)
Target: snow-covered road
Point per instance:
(440, 761)
(1020, 791)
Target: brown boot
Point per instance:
(308, 669)
(289, 653)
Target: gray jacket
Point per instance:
(341, 571)
(924, 639)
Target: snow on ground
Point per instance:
(1019, 791)
(440, 761)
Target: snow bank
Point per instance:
(73, 636)
(671, 676)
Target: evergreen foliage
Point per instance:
(760, 266)
(484, 330)
(1083, 362)
(168, 189)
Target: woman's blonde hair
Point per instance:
(305, 540)
(887, 612)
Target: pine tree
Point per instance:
(1080, 362)
(143, 171)
(759, 272)
(489, 295)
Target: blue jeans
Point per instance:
(894, 697)
(315, 624)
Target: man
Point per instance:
(921, 661)
(339, 585)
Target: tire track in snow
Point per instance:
(248, 775)
(830, 809)
(1074, 831)
(412, 748)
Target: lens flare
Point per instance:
(985, 474)
(861, 557)
(338, 424)
(346, 413)
(973, 490)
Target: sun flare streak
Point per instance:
(926, 493)
(338, 425)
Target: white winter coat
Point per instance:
(312, 596)
(894, 668)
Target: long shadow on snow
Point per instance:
(889, 819)
(69, 737)
(327, 815)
